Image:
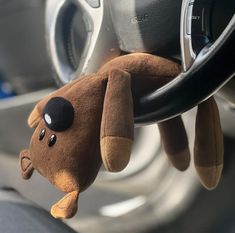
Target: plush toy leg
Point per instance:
(26, 164)
(209, 148)
(66, 207)
(175, 142)
(117, 122)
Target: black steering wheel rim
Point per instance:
(212, 69)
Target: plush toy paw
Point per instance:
(66, 207)
(181, 160)
(209, 147)
(209, 176)
(175, 142)
(115, 153)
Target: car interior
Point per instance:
(45, 44)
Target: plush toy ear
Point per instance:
(117, 121)
(175, 142)
(26, 164)
(34, 118)
(209, 147)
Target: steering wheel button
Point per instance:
(197, 21)
(94, 3)
(200, 20)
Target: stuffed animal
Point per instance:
(90, 121)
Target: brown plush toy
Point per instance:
(90, 121)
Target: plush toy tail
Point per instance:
(209, 147)
(175, 142)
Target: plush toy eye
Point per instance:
(52, 140)
(42, 134)
(58, 114)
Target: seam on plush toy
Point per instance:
(26, 168)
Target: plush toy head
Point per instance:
(65, 144)
(90, 121)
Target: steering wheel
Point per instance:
(84, 34)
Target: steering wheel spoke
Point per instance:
(98, 45)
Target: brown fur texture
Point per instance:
(173, 132)
(208, 159)
(102, 127)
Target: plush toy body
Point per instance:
(90, 121)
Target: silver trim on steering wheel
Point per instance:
(188, 55)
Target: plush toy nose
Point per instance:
(58, 114)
